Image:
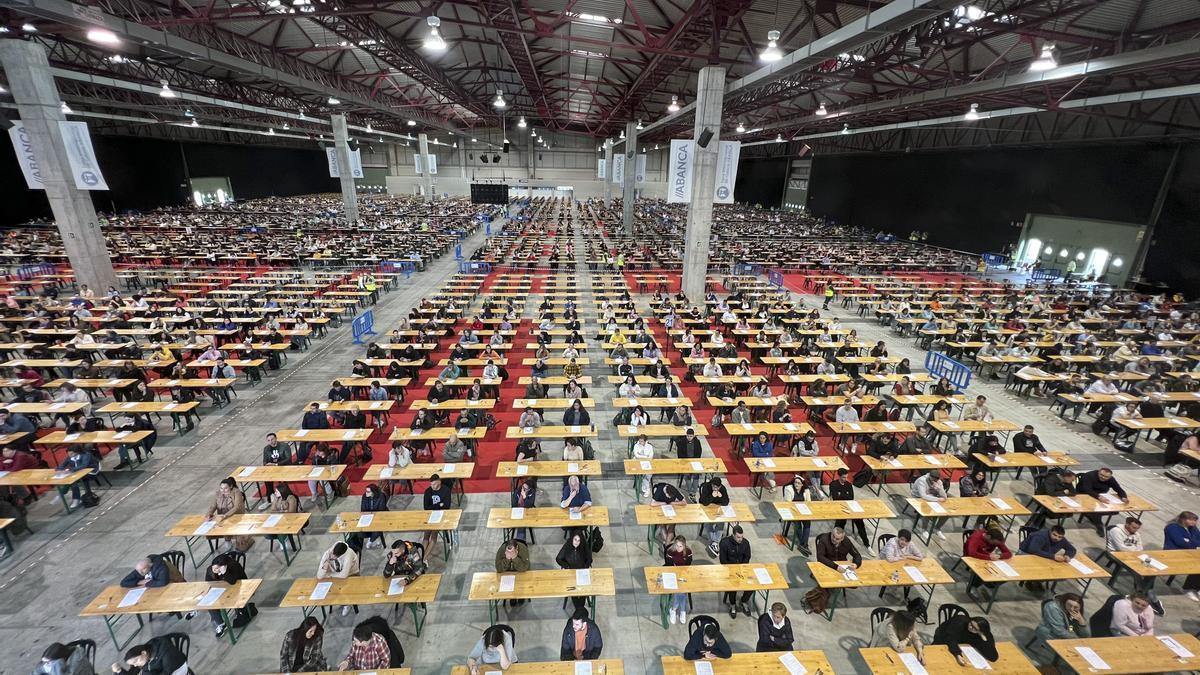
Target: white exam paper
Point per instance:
(975, 658)
(914, 666)
(205, 527)
(1082, 567)
(448, 468)
(762, 575)
(436, 517)
(1173, 645)
(583, 577)
(855, 506)
(522, 470)
(1070, 502)
(915, 574)
(1001, 504)
(321, 590)
(697, 466)
(1005, 569)
(793, 665)
(668, 511)
(211, 597)
(1093, 658)
(131, 597)
(518, 513)
(365, 519)
(508, 582)
(273, 520)
(669, 581)
(396, 587)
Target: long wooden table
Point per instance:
(495, 587)
(1130, 655)
(293, 473)
(1033, 568)
(939, 660)
(760, 578)
(813, 661)
(310, 594)
(59, 480)
(854, 509)
(444, 522)
(194, 528)
(689, 514)
(114, 603)
(598, 667)
(926, 573)
(965, 507)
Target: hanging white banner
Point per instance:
(639, 172)
(23, 147)
(356, 163)
(432, 164)
(679, 172)
(331, 160)
(600, 164)
(618, 172)
(727, 163)
(81, 156)
(418, 164)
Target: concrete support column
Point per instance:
(423, 143)
(628, 194)
(38, 103)
(710, 88)
(462, 159)
(608, 154)
(341, 143)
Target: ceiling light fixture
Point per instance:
(29, 28)
(434, 41)
(66, 108)
(271, 131)
(778, 138)
(973, 113)
(103, 36)
(369, 129)
(286, 126)
(674, 107)
(845, 129)
(166, 92)
(195, 123)
(1046, 61)
(741, 128)
(639, 126)
(772, 53)
(412, 123)
(821, 111)
(499, 102)
(334, 101)
(521, 122)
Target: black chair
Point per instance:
(878, 616)
(176, 558)
(88, 647)
(949, 611)
(699, 622)
(882, 540)
(1024, 532)
(1101, 622)
(183, 643)
(238, 556)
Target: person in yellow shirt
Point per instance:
(572, 369)
(617, 337)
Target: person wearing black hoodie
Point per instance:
(224, 568)
(581, 639)
(707, 644)
(735, 550)
(156, 657)
(966, 630)
(575, 554)
(775, 630)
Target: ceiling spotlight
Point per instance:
(412, 123)
(778, 138)
(195, 123)
(271, 131)
(381, 139)
(117, 58)
(521, 122)
(103, 36)
(821, 111)
(188, 113)
(741, 128)
(302, 113)
(334, 101)
(453, 145)
(622, 134)
(166, 92)
(845, 129)
(434, 41)
(474, 140)
(771, 54)
(1046, 61)
(3, 29)
(369, 129)
(674, 107)
(973, 113)
(286, 126)
(639, 126)
(66, 108)
(29, 28)
(499, 102)
(656, 146)
(533, 132)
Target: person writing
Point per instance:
(900, 632)
(707, 644)
(901, 547)
(974, 631)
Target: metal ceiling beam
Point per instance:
(502, 15)
(251, 59)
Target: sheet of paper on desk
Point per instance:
(819, 462)
(205, 527)
(933, 460)
(849, 574)
(1093, 658)
(668, 511)
(365, 519)
(793, 665)
(131, 597)
(1173, 645)
(915, 574)
(1070, 502)
(301, 433)
(936, 507)
(1000, 460)
(211, 597)
(790, 427)
(1080, 566)
(784, 512)
(949, 425)
(914, 666)
(1005, 569)
(583, 668)
(321, 590)
(769, 463)
(704, 668)
(385, 472)
(583, 577)
(697, 466)
(347, 435)
(855, 506)
(246, 471)
(1156, 564)
(727, 511)
(895, 462)
(854, 426)
(574, 428)
(396, 586)
(802, 509)
(508, 582)
(1001, 504)
(975, 658)
(316, 472)
(448, 468)
(762, 575)
(436, 517)
(120, 435)
(1048, 459)
(1110, 498)
(572, 467)
(71, 437)
(576, 515)
(518, 513)
(272, 520)
(522, 469)
(670, 582)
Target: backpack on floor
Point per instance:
(597, 540)
(816, 601)
(89, 500)
(863, 477)
(1179, 472)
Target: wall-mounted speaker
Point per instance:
(495, 159)
(705, 137)
(483, 158)
(506, 147)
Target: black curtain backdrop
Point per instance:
(761, 181)
(148, 173)
(967, 200)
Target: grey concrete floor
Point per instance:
(70, 559)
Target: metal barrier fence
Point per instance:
(940, 365)
(1045, 274)
(363, 324)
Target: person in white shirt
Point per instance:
(901, 547)
(643, 449)
(530, 419)
(1125, 537)
(712, 368)
(69, 393)
(630, 388)
(929, 487)
(846, 413)
(977, 410)
(1103, 385)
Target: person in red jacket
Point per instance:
(985, 545)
